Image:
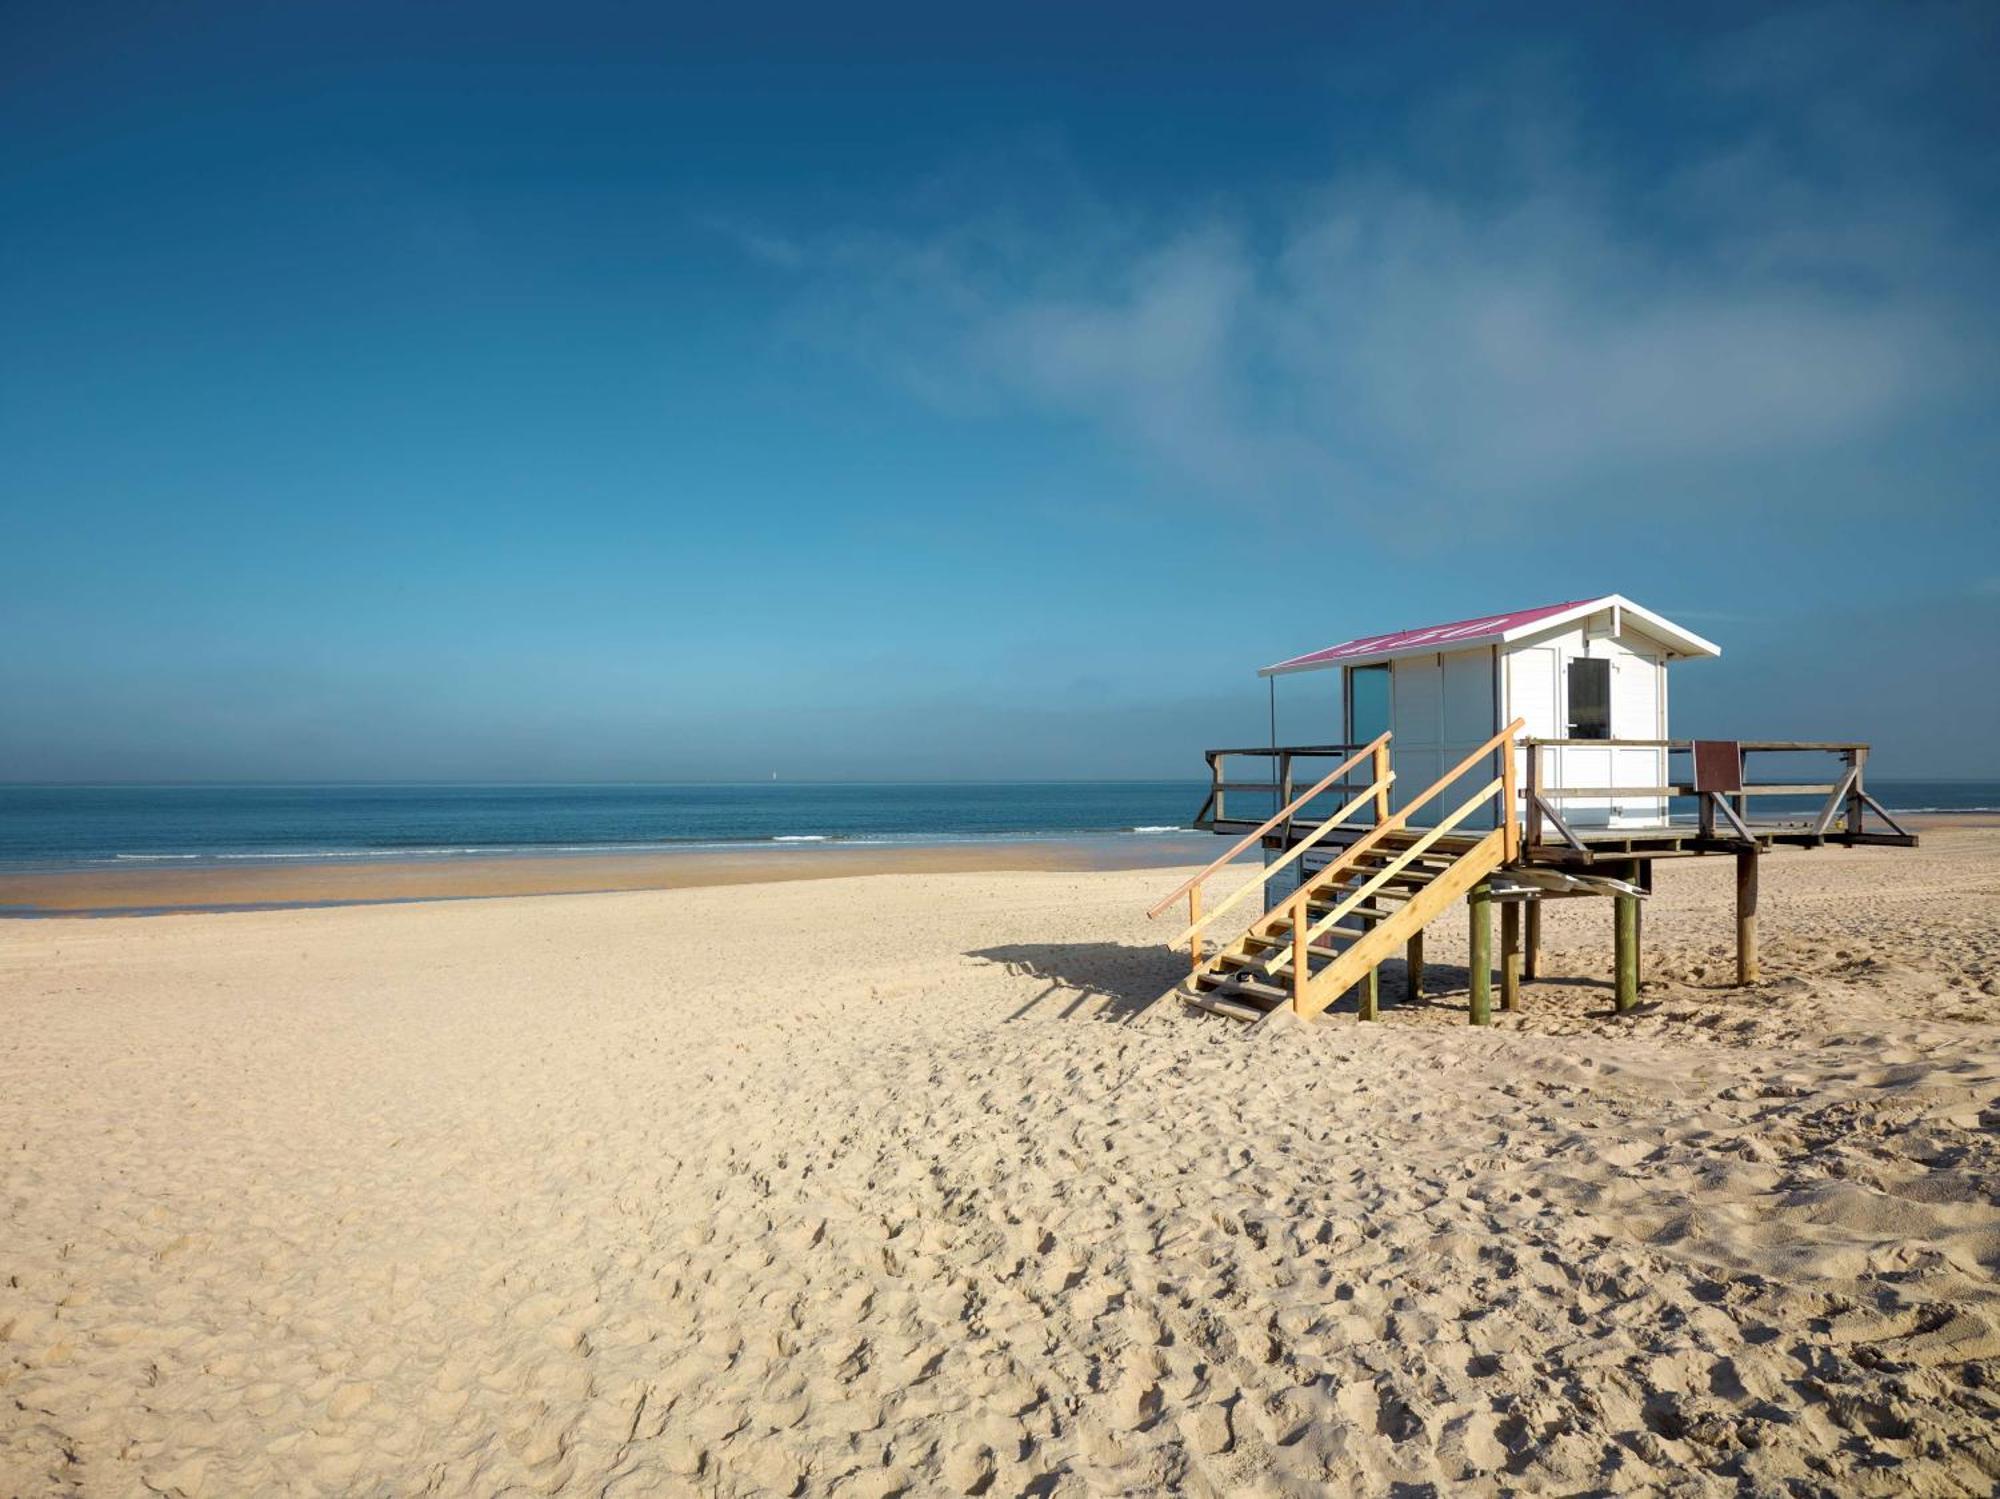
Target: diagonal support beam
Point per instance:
(1833, 803)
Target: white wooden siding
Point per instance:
(1442, 709)
(1537, 678)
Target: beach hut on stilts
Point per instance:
(1505, 760)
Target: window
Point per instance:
(1367, 702)
(1590, 699)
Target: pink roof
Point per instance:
(1452, 637)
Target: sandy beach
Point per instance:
(884, 1184)
(157, 888)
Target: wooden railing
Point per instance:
(1281, 758)
(1297, 908)
(1376, 792)
(1845, 792)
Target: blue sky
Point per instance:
(531, 392)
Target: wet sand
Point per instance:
(157, 889)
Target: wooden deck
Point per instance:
(1722, 823)
(1673, 840)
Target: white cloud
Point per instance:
(1798, 285)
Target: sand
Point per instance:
(157, 888)
(877, 1185)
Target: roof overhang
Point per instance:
(1497, 630)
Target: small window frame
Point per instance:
(1587, 699)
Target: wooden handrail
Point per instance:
(1393, 868)
(1263, 876)
(1381, 830)
(1277, 817)
(1505, 736)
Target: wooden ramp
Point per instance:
(1373, 898)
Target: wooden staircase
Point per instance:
(1364, 905)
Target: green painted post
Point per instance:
(1626, 955)
(1480, 904)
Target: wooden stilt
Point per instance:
(1369, 1000)
(1510, 955)
(1625, 932)
(1413, 960)
(1746, 917)
(1642, 876)
(1531, 959)
(1480, 904)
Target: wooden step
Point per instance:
(1248, 991)
(1413, 874)
(1224, 1007)
(1392, 889)
(1235, 962)
(1372, 909)
(1284, 938)
(1381, 859)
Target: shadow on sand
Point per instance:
(1112, 981)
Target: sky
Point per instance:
(604, 392)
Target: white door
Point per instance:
(1636, 714)
(1443, 712)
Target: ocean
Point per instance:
(72, 827)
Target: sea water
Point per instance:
(44, 827)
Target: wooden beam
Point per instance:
(1531, 958)
(1833, 803)
(1743, 832)
(1625, 951)
(1883, 813)
(1479, 906)
(1413, 960)
(1857, 799)
(1534, 793)
(1510, 955)
(1263, 751)
(1558, 793)
(1300, 969)
(1370, 997)
(1553, 818)
(1642, 876)
(1746, 917)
